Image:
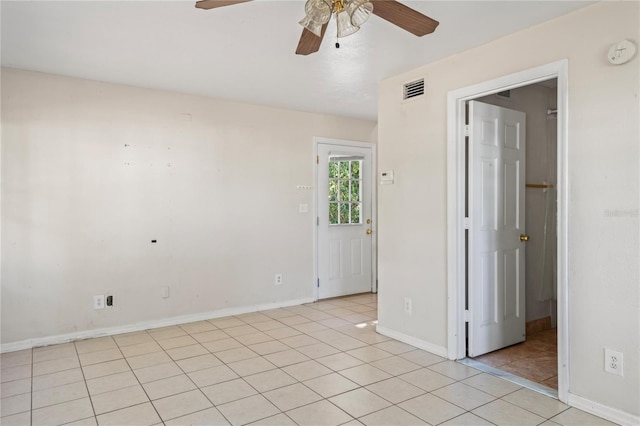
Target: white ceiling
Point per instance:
(245, 52)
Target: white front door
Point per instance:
(496, 211)
(345, 228)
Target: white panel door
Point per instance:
(496, 209)
(345, 228)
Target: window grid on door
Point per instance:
(345, 192)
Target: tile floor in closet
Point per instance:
(535, 359)
(315, 364)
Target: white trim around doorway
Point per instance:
(374, 207)
(456, 257)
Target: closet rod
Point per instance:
(538, 185)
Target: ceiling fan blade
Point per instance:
(212, 4)
(404, 17)
(309, 42)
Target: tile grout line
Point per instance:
(277, 368)
(191, 380)
(75, 349)
(327, 399)
(225, 364)
(138, 380)
(32, 391)
(241, 377)
(249, 384)
(262, 393)
(95, 415)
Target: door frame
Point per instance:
(456, 177)
(374, 208)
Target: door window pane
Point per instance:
(333, 213)
(355, 191)
(344, 213)
(333, 190)
(345, 195)
(344, 170)
(355, 170)
(333, 170)
(344, 190)
(355, 213)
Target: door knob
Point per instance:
(524, 237)
(369, 232)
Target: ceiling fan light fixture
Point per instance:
(350, 15)
(319, 11)
(311, 25)
(345, 27)
(359, 11)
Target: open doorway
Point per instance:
(459, 317)
(532, 353)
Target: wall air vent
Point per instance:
(413, 89)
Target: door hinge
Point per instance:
(317, 159)
(466, 130)
(467, 223)
(318, 221)
(318, 284)
(467, 315)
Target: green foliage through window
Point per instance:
(345, 192)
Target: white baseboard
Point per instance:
(145, 325)
(606, 412)
(410, 340)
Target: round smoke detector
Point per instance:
(622, 52)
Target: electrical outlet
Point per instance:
(407, 306)
(613, 362)
(277, 279)
(98, 301)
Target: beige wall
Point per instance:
(603, 167)
(92, 172)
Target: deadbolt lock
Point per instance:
(368, 221)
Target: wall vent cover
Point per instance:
(413, 89)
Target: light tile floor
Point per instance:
(315, 364)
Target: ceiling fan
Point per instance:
(349, 15)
